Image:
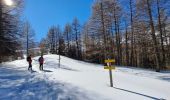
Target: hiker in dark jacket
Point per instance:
(41, 61)
(29, 60)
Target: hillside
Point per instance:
(77, 80)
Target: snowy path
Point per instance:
(18, 84)
(77, 80)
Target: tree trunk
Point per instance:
(68, 42)
(127, 48)
(156, 50)
(132, 36)
(77, 44)
(161, 34)
(117, 37)
(103, 30)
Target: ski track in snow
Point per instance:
(77, 80)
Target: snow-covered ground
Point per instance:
(77, 80)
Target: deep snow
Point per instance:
(77, 80)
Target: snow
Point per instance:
(77, 80)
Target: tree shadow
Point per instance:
(67, 68)
(21, 85)
(165, 78)
(151, 97)
(52, 64)
(47, 70)
(32, 71)
(168, 71)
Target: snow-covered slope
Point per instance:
(77, 80)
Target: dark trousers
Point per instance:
(30, 66)
(41, 66)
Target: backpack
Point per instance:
(41, 59)
(28, 58)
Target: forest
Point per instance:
(133, 32)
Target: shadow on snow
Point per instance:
(53, 64)
(151, 97)
(23, 85)
(45, 70)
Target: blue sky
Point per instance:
(45, 13)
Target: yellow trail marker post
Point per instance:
(109, 66)
(110, 61)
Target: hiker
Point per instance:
(29, 60)
(41, 61)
